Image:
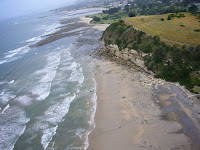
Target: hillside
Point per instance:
(167, 62)
(183, 28)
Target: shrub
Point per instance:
(195, 81)
(111, 11)
(139, 41)
(109, 42)
(121, 21)
(193, 8)
(197, 30)
(105, 18)
(162, 19)
(131, 14)
(121, 30)
(169, 17)
(172, 15)
(156, 39)
(97, 19)
(118, 42)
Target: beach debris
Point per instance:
(149, 82)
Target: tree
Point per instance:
(198, 48)
(111, 11)
(186, 3)
(169, 17)
(193, 8)
(97, 19)
(144, 7)
(131, 14)
(156, 39)
(105, 11)
(126, 8)
(165, 1)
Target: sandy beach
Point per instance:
(101, 27)
(127, 117)
(135, 111)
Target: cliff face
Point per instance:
(130, 58)
(133, 48)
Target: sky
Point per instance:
(13, 8)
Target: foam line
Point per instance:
(5, 108)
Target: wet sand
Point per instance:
(127, 116)
(81, 24)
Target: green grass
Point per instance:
(109, 19)
(170, 29)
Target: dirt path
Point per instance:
(160, 36)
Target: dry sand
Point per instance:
(100, 27)
(127, 117)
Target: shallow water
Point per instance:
(47, 93)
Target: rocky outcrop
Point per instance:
(134, 61)
(128, 57)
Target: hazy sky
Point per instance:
(11, 8)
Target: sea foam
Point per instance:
(77, 76)
(57, 111)
(24, 100)
(53, 115)
(14, 54)
(11, 82)
(34, 39)
(93, 111)
(45, 76)
(12, 126)
(3, 61)
(2, 93)
(18, 51)
(47, 136)
(5, 108)
(6, 96)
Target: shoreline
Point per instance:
(101, 27)
(127, 126)
(127, 115)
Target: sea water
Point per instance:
(48, 92)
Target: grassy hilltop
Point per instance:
(182, 27)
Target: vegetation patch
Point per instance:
(197, 30)
(196, 89)
(108, 18)
(171, 63)
(170, 29)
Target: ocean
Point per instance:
(47, 86)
